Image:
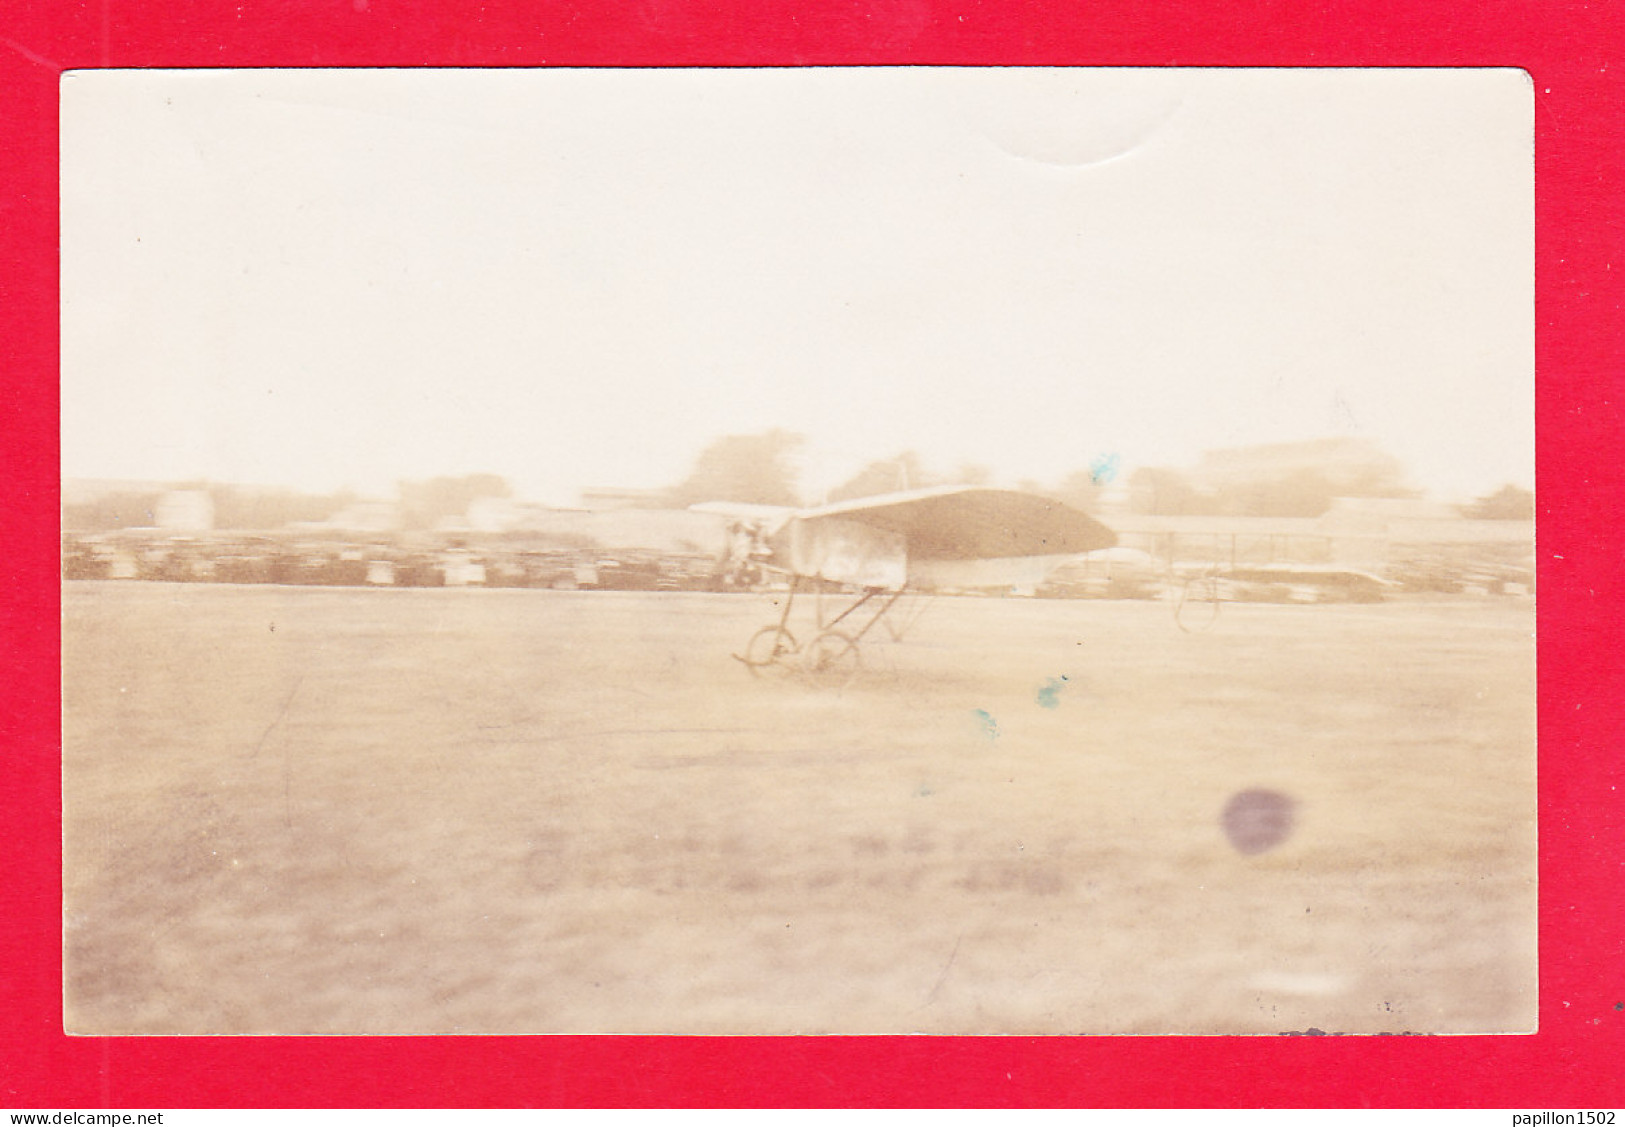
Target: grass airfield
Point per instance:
(353, 811)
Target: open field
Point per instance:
(415, 811)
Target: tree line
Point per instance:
(762, 469)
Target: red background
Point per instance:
(1578, 1058)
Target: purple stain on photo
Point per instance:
(1256, 821)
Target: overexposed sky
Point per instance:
(574, 278)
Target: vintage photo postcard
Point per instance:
(798, 551)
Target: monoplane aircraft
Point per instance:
(880, 548)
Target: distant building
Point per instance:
(1376, 514)
(367, 516)
(1114, 498)
(610, 497)
(1348, 466)
(89, 490)
(184, 510)
(1361, 532)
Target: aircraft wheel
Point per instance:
(1198, 604)
(770, 650)
(831, 660)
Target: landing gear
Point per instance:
(1197, 605)
(833, 658)
(769, 651)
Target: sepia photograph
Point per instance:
(798, 551)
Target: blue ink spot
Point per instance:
(1050, 695)
(1103, 470)
(925, 791)
(989, 726)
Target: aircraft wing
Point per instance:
(960, 522)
